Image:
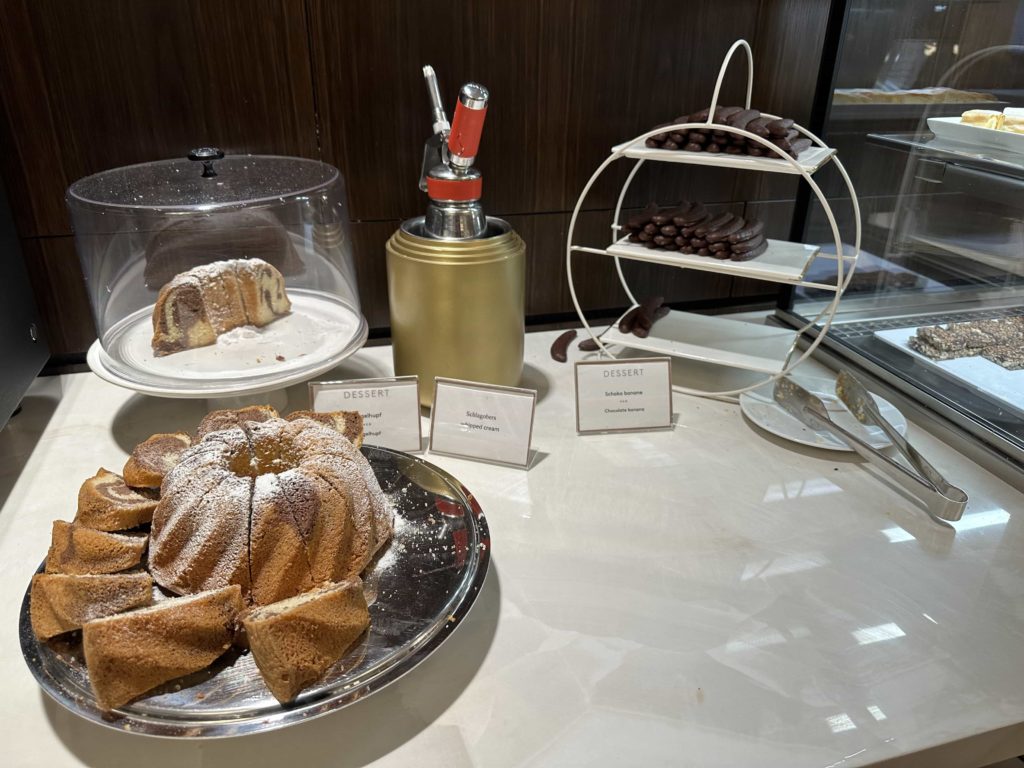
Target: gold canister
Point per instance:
(457, 305)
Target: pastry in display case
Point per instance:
(217, 275)
(936, 309)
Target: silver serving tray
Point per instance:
(420, 588)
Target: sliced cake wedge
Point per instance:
(295, 641)
(134, 652)
(79, 550)
(153, 458)
(107, 504)
(61, 602)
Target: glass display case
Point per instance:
(936, 307)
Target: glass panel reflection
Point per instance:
(942, 204)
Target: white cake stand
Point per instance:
(320, 332)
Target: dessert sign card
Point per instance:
(390, 408)
(482, 421)
(623, 395)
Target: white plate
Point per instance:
(760, 408)
(951, 129)
(319, 333)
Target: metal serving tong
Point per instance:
(941, 500)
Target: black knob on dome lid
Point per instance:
(206, 155)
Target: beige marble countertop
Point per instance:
(706, 596)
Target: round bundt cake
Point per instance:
(276, 507)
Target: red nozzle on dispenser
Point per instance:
(467, 125)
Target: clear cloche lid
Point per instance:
(205, 181)
(140, 227)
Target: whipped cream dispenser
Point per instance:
(456, 278)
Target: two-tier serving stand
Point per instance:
(717, 339)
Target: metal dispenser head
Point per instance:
(448, 177)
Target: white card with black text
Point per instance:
(482, 421)
(390, 408)
(623, 395)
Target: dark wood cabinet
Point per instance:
(88, 85)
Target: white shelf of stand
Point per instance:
(782, 262)
(715, 339)
(810, 160)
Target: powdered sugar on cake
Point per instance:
(201, 533)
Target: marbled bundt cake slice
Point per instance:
(197, 306)
(107, 504)
(153, 458)
(179, 317)
(295, 641)
(61, 602)
(134, 652)
(77, 549)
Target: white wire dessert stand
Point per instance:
(759, 348)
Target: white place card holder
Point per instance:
(390, 408)
(623, 395)
(483, 422)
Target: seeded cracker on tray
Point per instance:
(1010, 356)
(1001, 341)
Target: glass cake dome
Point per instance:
(139, 227)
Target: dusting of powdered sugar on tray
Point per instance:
(241, 335)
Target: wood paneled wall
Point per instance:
(88, 85)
